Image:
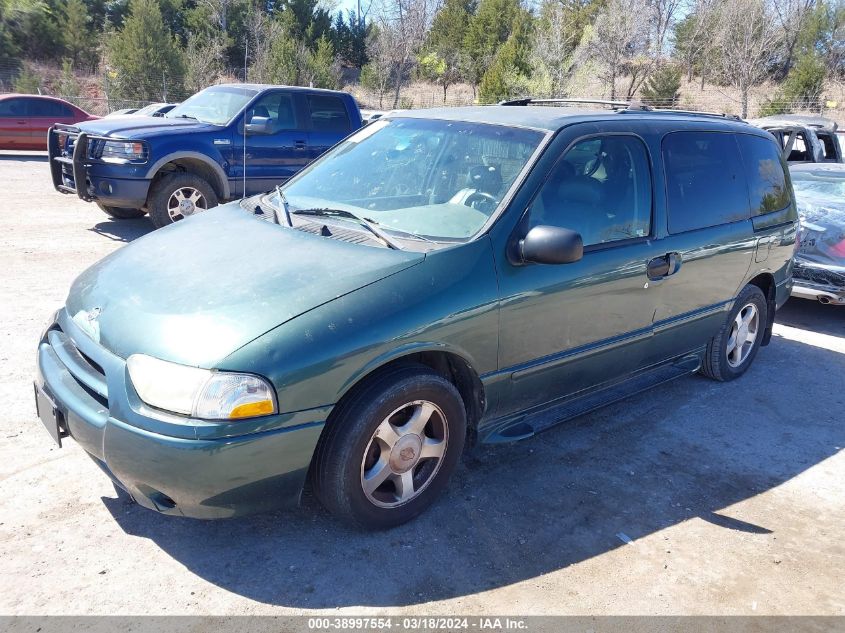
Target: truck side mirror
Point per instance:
(551, 245)
(258, 125)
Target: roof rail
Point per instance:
(619, 106)
(524, 101)
(721, 115)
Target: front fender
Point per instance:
(206, 159)
(449, 302)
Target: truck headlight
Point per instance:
(200, 393)
(124, 150)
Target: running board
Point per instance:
(525, 425)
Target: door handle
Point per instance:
(663, 266)
(299, 144)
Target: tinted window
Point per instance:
(765, 172)
(601, 187)
(328, 114)
(278, 107)
(705, 180)
(45, 108)
(13, 107)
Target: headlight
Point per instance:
(200, 393)
(122, 150)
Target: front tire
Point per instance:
(731, 352)
(121, 213)
(177, 196)
(390, 448)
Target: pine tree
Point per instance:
(76, 34)
(144, 57)
(662, 88)
(488, 29)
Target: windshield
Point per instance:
(433, 178)
(216, 105)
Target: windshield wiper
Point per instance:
(342, 213)
(285, 207)
(184, 116)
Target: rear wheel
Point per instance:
(731, 352)
(178, 196)
(121, 213)
(390, 449)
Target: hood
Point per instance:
(142, 126)
(196, 291)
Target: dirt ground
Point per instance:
(694, 498)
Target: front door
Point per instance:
(278, 153)
(567, 327)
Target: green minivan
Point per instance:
(439, 278)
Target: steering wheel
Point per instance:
(480, 196)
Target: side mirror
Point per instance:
(551, 245)
(258, 125)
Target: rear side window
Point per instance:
(328, 114)
(45, 108)
(765, 172)
(705, 180)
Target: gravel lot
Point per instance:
(733, 495)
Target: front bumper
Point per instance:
(91, 179)
(142, 451)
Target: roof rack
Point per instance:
(721, 115)
(618, 106)
(524, 101)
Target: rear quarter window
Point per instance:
(766, 174)
(705, 180)
(328, 114)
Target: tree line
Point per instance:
(150, 49)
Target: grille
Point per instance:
(87, 373)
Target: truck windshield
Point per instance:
(216, 105)
(433, 178)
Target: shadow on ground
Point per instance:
(124, 230)
(812, 315)
(512, 513)
(28, 157)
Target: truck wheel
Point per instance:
(178, 196)
(388, 450)
(121, 213)
(731, 352)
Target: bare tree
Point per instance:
(791, 16)
(746, 39)
(620, 43)
(697, 37)
(205, 63)
(663, 16)
(402, 28)
(555, 39)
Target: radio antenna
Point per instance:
(246, 57)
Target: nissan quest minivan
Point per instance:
(439, 278)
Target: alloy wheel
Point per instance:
(743, 334)
(404, 454)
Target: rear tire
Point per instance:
(121, 213)
(177, 196)
(731, 352)
(389, 449)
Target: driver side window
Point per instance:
(601, 187)
(278, 107)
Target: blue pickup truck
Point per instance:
(222, 143)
